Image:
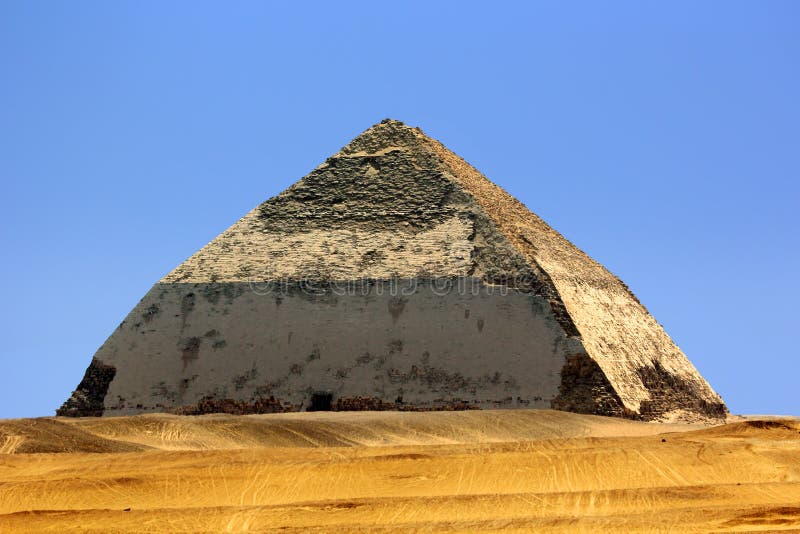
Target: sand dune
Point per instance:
(390, 471)
(320, 429)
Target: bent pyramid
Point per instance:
(393, 276)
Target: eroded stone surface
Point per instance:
(403, 339)
(294, 298)
(88, 399)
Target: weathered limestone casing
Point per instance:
(393, 276)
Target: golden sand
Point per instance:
(525, 470)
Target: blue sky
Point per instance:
(660, 137)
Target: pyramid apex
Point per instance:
(394, 124)
(386, 134)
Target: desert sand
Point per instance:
(521, 470)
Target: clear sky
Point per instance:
(663, 138)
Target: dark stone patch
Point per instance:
(184, 384)
(396, 307)
(150, 313)
(257, 405)
(187, 305)
(364, 359)
(354, 404)
(315, 355)
(395, 346)
(212, 292)
(233, 291)
(440, 380)
(480, 324)
(669, 391)
(434, 378)
(341, 373)
(584, 388)
(88, 400)
(161, 390)
(190, 350)
(241, 381)
(371, 258)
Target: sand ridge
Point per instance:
(310, 429)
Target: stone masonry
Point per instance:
(394, 276)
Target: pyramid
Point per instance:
(394, 276)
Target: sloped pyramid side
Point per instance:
(382, 207)
(644, 366)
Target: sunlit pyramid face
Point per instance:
(394, 276)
